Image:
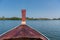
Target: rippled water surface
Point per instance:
(50, 28)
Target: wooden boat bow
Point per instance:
(23, 32)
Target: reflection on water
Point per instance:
(50, 28)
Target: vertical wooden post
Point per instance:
(23, 16)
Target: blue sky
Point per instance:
(34, 8)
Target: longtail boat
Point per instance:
(23, 32)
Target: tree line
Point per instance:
(17, 18)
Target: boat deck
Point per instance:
(23, 32)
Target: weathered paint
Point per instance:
(22, 31)
(23, 16)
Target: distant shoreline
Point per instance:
(17, 18)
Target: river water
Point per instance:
(49, 28)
